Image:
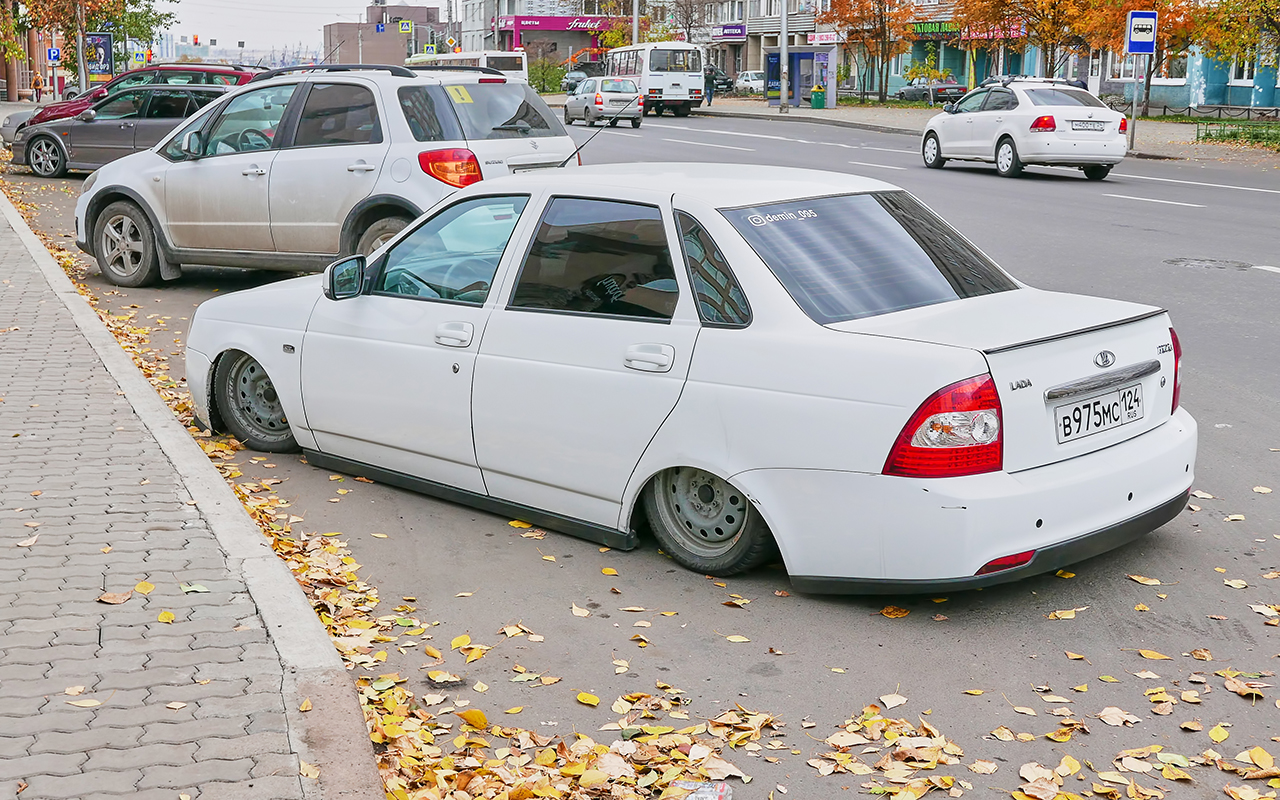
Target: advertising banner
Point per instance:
(98, 48)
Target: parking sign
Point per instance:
(406, 26)
(1140, 38)
(53, 55)
(380, 28)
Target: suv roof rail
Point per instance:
(399, 72)
(202, 64)
(456, 68)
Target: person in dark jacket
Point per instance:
(708, 84)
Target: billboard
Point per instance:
(98, 48)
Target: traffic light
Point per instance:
(195, 40)
(148, 56)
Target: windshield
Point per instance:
(502, 111)
(853, 256)
(675, 61)
(1063, 97)
(617, 86)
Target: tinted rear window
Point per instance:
(426, 109)
(502, 111)
(617, 86)
(854, 256)
(1063, 97)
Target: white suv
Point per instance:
(305, 164)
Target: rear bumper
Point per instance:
(1054, 150)
(199, 371)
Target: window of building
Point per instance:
(1172, 67)
(1242, 71)
(895, 64)
(1121, 67)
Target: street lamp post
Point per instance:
(784, 58)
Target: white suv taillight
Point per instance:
(954, 432)
(455, 166)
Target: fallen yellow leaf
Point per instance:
(737, 639)
(1153, 655)
(894, 612)
(144, 587)
(166, 616)
(1108, 679)
(515, 523)
(580, 612)
(308, 770)
(474, 717)
(1218, 734)
(974, 692)
(608, 571)
(514, 710)
(460, 641)
(306, 705)
(481, 686)
(84, 703)
(588, 699)
(1062, 573)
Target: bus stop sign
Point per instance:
(1140, 39)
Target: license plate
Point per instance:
(1098, 414)
(1084, 125)
(619, 102)
(531, 167)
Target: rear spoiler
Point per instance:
(1079, 331)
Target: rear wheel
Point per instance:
(125, 246)
(705, 523)
(249, 405)
(635, 122)
(568, 119)
(613, 123)
(1007, 162)
(379, 233)
(588, 118)
(1097, 172)
(45, 158)
(932, 152)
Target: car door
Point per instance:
(331, 163)
(987, 122)
(579, 369)
(387, 375)
(110, 134)
(955, 130)
(219, 201)
(581, 97)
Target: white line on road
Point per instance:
(1268, 269)
(1153, 200)
(881, 166)
(709, 144)
(1195, 183)
(631, 135)
(888, 149)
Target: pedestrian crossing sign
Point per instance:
(406, 26)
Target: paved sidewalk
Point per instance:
(97, 495)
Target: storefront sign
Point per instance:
(935, 30)
(590, 24)
(729, 32)
(826, 37)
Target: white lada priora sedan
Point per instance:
(753, 360)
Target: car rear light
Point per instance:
(640, 100)
(455, 166)
(1006, 562)
(1177, 369)
(1044, 124)
(1124, 124)
(599, 99)
(955, 432)
(493, 80)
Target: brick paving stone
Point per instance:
(46, 787)
(203, 772)
(275, 787)
(148, 755)
(41, 764)
(243, 746)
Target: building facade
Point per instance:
(379, 40)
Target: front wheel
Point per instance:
(932, 152)
(125, 245)
(249, 406)
(1097, 172)
(379, 233)
(635, 122)
(705, 523)
(45, 158)
(1007, 162)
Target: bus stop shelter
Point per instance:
(810, 66)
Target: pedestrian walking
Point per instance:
(37, 85)
(709, 83)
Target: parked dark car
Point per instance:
(724, 84)
(184, 74)
(932, 91)
(570, 81)
(123, 123)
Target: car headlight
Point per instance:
(89, 182)
(6, 123)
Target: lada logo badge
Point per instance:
(1105, 359)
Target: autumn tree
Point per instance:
(134, 19)
(1244, 30)
(1056, 27)
(1181, 24)
(881, 28)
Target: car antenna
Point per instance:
(597, 133)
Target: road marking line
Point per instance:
(1153, 200)
(709, 144)
(620, 133)
(1196, 183)
(1268, 269)
(881, 166)
(888, 149)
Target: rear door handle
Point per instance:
(454, 334)
(650, 357)
(254, 171)
(361, 167)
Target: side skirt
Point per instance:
(581, 529)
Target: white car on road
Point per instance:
(1028, 121)
(750, 82)
(304, 164)
(748, 358)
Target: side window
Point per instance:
(453, 255)
(720, 299)
(599, 257)
(171, 104)
(202, 99)
(1000, 100)
(222, 78)
(173, 150)
(125, 105)
(249, 122)
(178, 77)
(136, 79)
(338, 113)
(587, 87)
(970, 102)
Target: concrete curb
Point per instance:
(326, 735)
(838, 123)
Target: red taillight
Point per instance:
(1177, 369)
(454, 166)
(579, 155)
(1045, 123)
(640, 101)
(1006, 562)
(599, 99)
(955, 432)
(1124, 124)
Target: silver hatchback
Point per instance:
(604, 99)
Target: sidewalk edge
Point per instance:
(311, 664)
(837, 123)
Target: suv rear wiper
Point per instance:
(520, 125)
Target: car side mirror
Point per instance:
(98, 94)
(949, 108)
(191, 144)
(88, 115)
(344, 279)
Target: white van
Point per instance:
(511, 64)
(669, 74)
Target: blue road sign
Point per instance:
(54, 55)
(380, 28)
(1140, 37)
(406, 26)
(429, 49)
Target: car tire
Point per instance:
(587, 118)
(635, 122)
(125, 245)
(45, 157)
(706, 524)
(613, 123)
(1008, 164)
(1097, 172)
(568, 119)
(249, 406)
(379, 233)
(931, 151)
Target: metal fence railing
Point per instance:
(1207, 112)
(1266, 133)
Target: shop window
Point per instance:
(1173, 67)
(1242, 71)
(1121, 67)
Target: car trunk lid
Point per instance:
(1052, 354)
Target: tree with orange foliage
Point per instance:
(1054, 26)
(1244, 30)
(882, 28)
(1179, 25)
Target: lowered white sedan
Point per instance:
(1028, 121)
(748, 361)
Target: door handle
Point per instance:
(254, 171)
(361, 167)
(650, 357)
(454, 334)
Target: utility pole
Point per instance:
(82, 68)
(359, 42)
(784, 58)
(635, 21)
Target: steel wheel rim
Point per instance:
(930, 149)
(707, 514)
(1004, 157)
(122, 245)
(379, 242)
(254, 399)
(44, 156)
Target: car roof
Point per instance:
(746, 185)
(384, 74)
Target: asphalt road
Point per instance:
(1189, 236)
